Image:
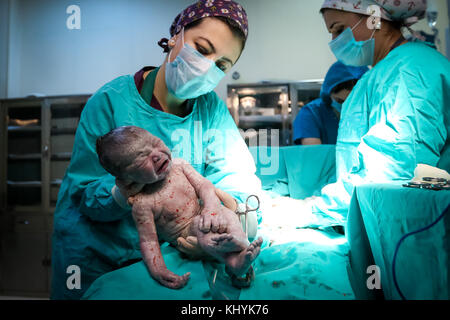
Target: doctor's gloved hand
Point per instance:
(191, 248)
(227, 200)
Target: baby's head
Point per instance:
(133, 154)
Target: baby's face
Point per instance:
(150, 161)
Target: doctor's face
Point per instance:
(214, 39)
(340, 96)
(337, 21)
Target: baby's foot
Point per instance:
(239, 264)
(228, 243)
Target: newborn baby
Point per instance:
(168, 205)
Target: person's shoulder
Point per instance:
(118, 85)
(308, 111)
(212, 108)
(418, 55)
(414, 47)
(114, 90)
(312, 107)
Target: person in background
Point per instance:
(398, 115)
(318, 121)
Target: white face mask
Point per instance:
(191, 75)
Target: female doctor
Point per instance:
(398, 114)
(94, 232)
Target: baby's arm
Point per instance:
(151, 252)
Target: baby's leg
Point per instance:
(233, 240)
(231, 248)
(239, 263)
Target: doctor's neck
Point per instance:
(384, 40)
(169, 103)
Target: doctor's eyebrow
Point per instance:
(227, 60)
(213, 49)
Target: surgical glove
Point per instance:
(227, 200)
(191, 248)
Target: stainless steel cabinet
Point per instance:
(37, 137)
(265, 111)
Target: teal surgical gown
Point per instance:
(91, 230)
(397, 116)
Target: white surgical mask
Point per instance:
(191, 75)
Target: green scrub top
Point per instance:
(397, 116)
(91, 230)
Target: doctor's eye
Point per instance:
(338, 32)
(222, 66)
(202, 50)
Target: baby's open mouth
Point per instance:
(163, 166)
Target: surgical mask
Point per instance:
(351, 52)
(191, 75)
(336, 105)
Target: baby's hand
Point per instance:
(213, 220)
(171, 280)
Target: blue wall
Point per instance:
(116, 37)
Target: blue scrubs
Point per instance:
(91, 230)
(318, 118)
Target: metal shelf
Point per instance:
(56, 183)
(33, 184)
(56, 131)
(29, 156)
(24, 184)
(38, 101)
(62, 156)
(24, 128)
